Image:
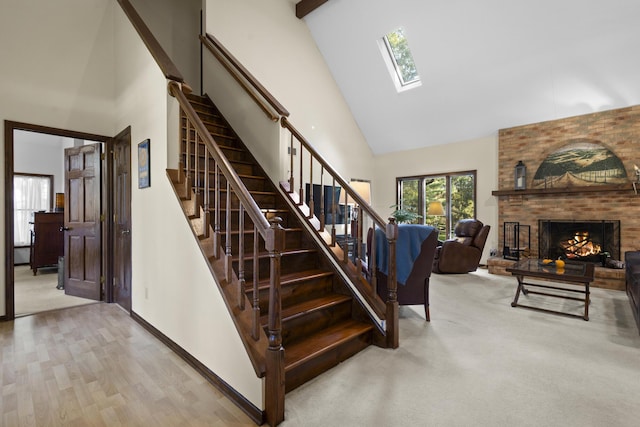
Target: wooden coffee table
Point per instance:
(573, 273)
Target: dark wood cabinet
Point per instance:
(632, 278)
(47, 241)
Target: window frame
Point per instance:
(422, 205)
(51, 197)
(389, 56)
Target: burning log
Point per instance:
(580, 246)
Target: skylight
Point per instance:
(400, 60)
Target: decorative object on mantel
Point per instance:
(580, 163)
(637, 181)
(520, 178)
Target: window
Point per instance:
(440, 200)
(400, 60)
(31, 193)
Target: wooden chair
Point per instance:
(414, 289)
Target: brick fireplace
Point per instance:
(614, 199)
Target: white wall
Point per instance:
(56, 71)
(176, 26)
(79, 65)
(479, 154)
(40, 154)
(277, 48)
(172, 287)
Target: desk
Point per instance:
(47, 241)
(573, 273)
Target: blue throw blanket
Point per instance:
(410, 238)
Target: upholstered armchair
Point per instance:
(415, 248)
(462, 253)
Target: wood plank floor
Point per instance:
(95, 366)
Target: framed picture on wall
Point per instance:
(144, 163)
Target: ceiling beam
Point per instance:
(305, 7)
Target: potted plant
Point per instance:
(403, 216)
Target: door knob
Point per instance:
(64, 229)
(126, 231)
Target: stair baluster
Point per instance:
(255, 327)
(217, 238)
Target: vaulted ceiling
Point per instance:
(484, 64)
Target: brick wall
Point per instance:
(618, 130)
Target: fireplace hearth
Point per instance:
(588, 241)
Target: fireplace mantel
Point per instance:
(566, 190)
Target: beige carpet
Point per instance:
(481, 362)
(34, 294)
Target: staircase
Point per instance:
(322, 324)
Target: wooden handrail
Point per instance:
(227, 170)
(165, 63)
(353, 195)
(261, 96)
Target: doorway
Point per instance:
(104, 199)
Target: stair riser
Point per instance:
(218, 129)
(294, 294)
(293, 240)
(313, 322)
(306, 371)
(222, 140)
(252, 184)
(233, 155)
(239, 167)
(290, 263)
(265, 201)
(248, 224)
(244, 168)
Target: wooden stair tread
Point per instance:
(250, 231)
(297, 277)
(252, 192)
(292, 279)
(211, 172)
(285, 252)
(236, 210)
(311, 305)
(323, 341)
(223, 148)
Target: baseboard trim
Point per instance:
(229, 392)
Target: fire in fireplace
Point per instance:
(580, 245)
(588, 241)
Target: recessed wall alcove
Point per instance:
(617, 131)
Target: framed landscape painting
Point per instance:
(144, 163)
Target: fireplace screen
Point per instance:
(579, 240)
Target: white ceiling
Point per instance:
(484, 64)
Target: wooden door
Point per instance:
(122, 219)
(82, 226)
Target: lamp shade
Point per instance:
(435, 209)
(59, 206)
(363, 188)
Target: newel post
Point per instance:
(392, 286)
(274, 378)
